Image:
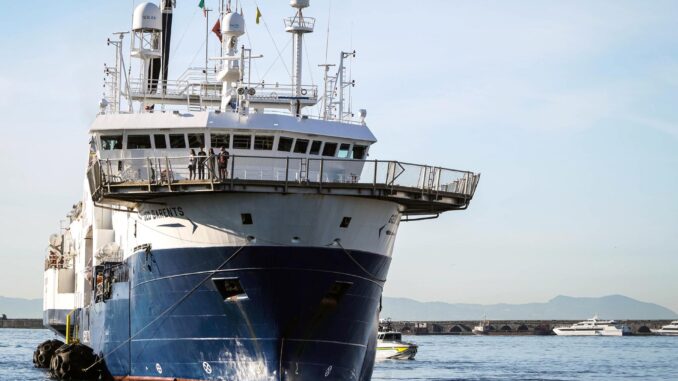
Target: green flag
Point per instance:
(202, 6)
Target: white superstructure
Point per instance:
(594, 327)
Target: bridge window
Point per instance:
(220, 140)
(285, 144)
(315, 147)
(242, 141)
(344, 150)
(196, 140)
(138, 142)
(111, 142)
(330, 149)
(160, 141)
(264, 143)
(177, 141)
(301, 146)
(359, 152)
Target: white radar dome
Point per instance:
(300, 3)
(147, 17)
(233, 25)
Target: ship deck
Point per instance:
(420, 189)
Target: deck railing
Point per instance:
(167, 171)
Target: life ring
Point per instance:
(304, 92)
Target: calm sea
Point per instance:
(462, 358)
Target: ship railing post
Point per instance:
(232, 174)
(148, 172)
(168, 173)
(374, 181)
(158, 168)
(210, 169)
(440, 174)
(322, 167)
(108, 181)
(287, 171)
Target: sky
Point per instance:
(568, 109)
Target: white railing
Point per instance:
(296, 22)
(154, 171)
(277, 91)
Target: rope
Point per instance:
(276, 60)
(273, 40)
(369, 274)
(170, 308)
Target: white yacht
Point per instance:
(667, 330)
(594, 327)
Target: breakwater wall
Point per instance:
(21, 323)
(510, 327)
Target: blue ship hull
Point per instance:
(301, 313)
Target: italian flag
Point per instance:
(202, 6)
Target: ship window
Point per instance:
(315, 147)
(359, 152)
(344, 150)
(246, 218)
(242, 141)
(301, 146)
(160, 141)
(138, 142)
(196, 140)
(330, 149)
(220, 140)
(285, 144)
(111, 142)
(177, 141)
(263, 143)
(345, 222)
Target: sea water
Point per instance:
(460, 358)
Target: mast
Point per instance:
(298, 26)
(167, 9)
(232, 28)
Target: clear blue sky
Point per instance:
(568, 108)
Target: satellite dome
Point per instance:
(55, 240)
(233, 25)
(147, 17)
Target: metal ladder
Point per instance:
(303, 171)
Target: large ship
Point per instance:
(260, 255)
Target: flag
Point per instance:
(258, 15)
(201, 5)
(216, 29)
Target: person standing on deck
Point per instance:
(191, 165)
(212, 164)
(201, 163)
(223, 164)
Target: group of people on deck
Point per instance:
(198, 162)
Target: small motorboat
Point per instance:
(390, 344)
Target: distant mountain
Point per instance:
(559, 308)
(16, 308)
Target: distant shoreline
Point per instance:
(21, 323)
